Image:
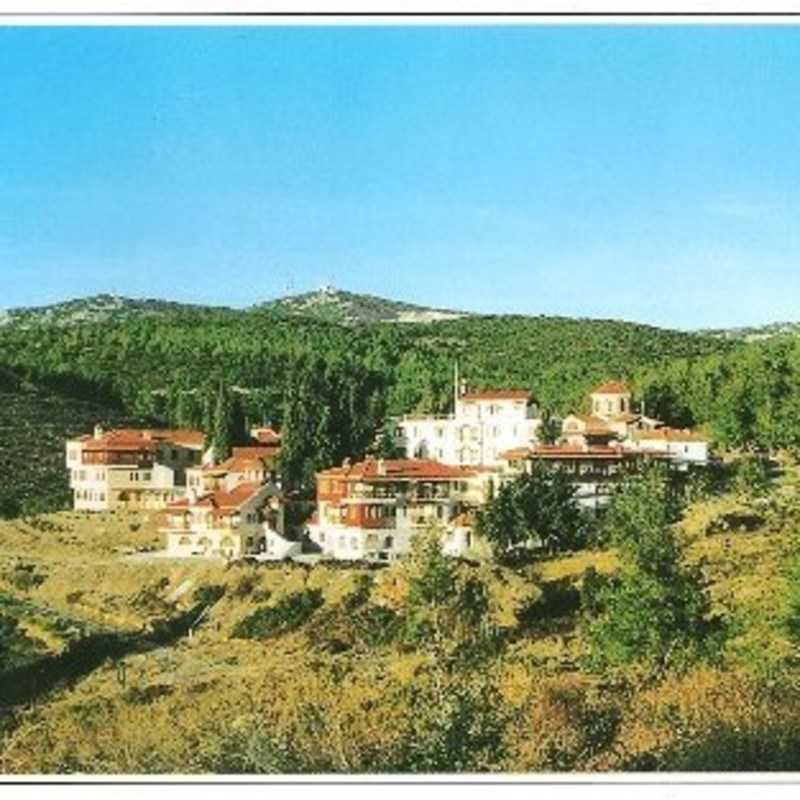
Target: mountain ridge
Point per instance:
(327, 304)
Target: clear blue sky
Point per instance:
(648, 173)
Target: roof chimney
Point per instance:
(346, 463)
(98, 431)
(381, 467)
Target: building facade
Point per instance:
(614, 423)
(131, 468)
(225, 523)
(594, 470)
(371, 510)
(483, 425)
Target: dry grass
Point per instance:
(211, 702)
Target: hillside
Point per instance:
(557, 358)
(34, 423)
(347, 308)
(334, 669)
(756, 333)
(333, 386)
(88, 310)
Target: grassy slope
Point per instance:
(220, 703)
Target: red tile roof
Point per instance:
(611, 387)
(594, 425)
(394, 469)
(142, 439)
(221, 503)
(266, 436)
(254, 452)
(497, 394)
(557, 452)
(671, 434)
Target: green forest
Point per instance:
(332, 387)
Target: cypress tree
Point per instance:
(221, 426)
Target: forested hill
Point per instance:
(332, 385)
(99, 308)
(411, 365)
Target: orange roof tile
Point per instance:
(399, 469)
(143, 439)
(556, 452)
(254, 452)
(671, 434)
(497, 394)
(594, 425)
(221, 503)
(611, 387)
(266, 436)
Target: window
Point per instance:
(608, 406)
(353, 543)
(146, 476)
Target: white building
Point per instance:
(225, 523)
(683, 446)
(613, 422)
(373, 509)
(131, 468)
(484, 425)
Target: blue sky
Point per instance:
(644, 173)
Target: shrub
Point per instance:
(208, 595)
(25, 577)
(751, 476)
(287, 615)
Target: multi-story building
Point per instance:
(246, 465)
(613, 422)
(131, 468)
(483, 425)
(683, 447)
(245, 519)
(372, 509)
(594, 470)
